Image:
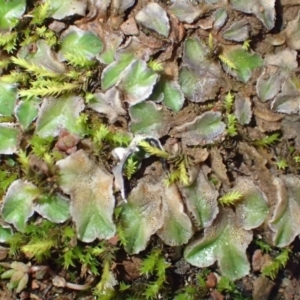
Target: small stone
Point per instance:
(215, 295)
(3, 253)
(114, 240)
(211, 280)
(57, 26)
(35, 284)
(132, 268)
(182, 267)
(247, 284)
(59, 281)
(24, 295)
(262, 287)
(257, 260)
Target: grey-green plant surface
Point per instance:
(138, 125)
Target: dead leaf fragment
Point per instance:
(129, 27)
(292, 33)
(218, 166)
(263, 112)
(265, 126)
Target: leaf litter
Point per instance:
(120, 73)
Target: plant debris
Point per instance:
(149, 149)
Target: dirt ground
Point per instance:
(237, 153)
